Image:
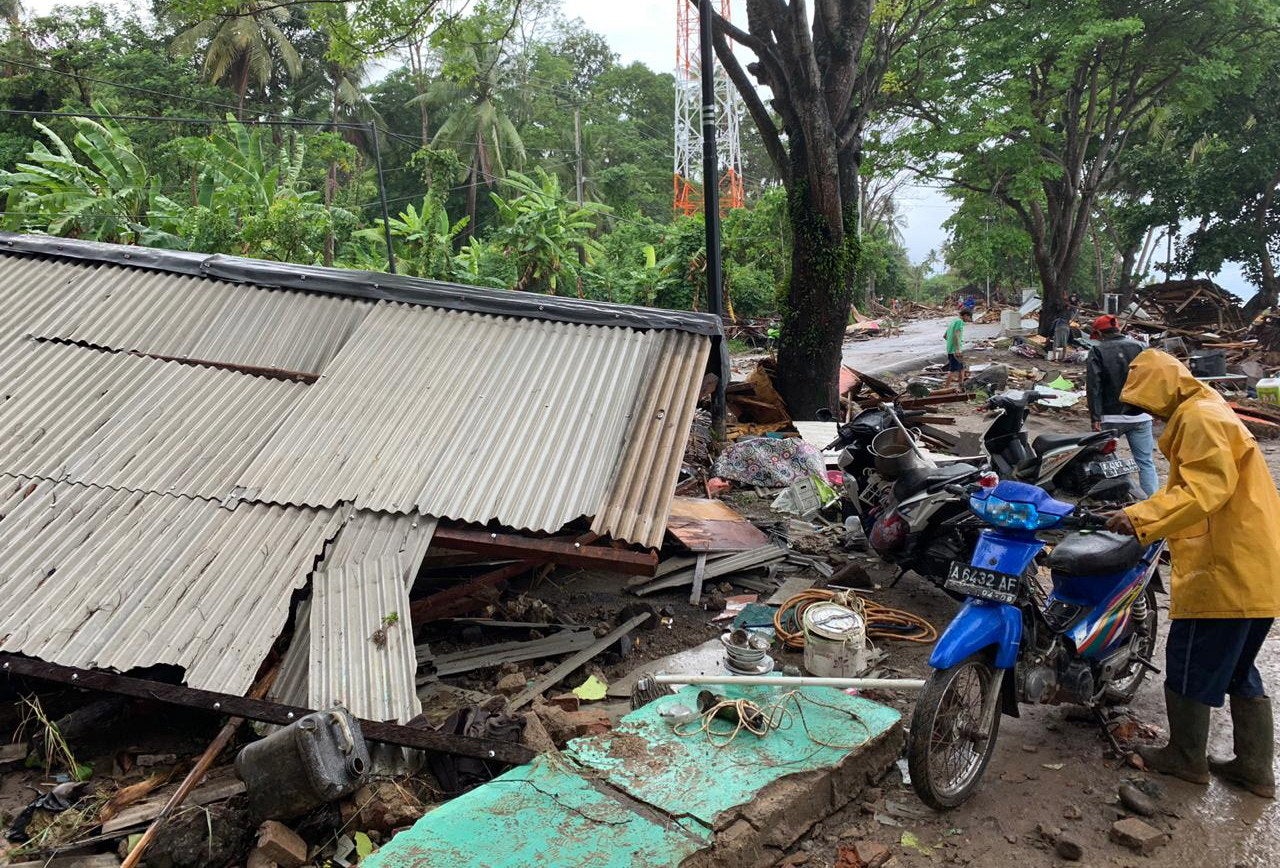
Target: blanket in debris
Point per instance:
(771, 462)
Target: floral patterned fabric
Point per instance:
(769, 461)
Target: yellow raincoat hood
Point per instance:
(1159, 384)
(1219, 510)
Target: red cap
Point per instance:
(1103, 323)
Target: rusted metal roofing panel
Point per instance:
(480, 418)
(120, 421)
(177, 316)
(115, 579)
(362, 655)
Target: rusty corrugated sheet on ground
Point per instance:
(120, 421)
(177, 316)
(551, 423)
(115, 580)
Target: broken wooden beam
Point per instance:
(487, 656)
(467, 596)
(559, 550)
(259, 709)
(553, 677)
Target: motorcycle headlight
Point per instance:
(1003, 513)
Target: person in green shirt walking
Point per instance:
(955, 347)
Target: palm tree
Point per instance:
(476, 127)
(240, 49)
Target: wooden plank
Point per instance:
(563, 642)
(699, 573)
(555, 675)
(212, 790)
(559, 550)
(259, 709)
(724, 566)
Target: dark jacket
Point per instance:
(1106, 372)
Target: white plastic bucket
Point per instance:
(835, 641)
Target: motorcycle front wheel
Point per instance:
(951, 742)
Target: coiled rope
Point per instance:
(882, 622)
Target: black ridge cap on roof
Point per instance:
(363, 284)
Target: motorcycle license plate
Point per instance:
(983, 584)
(1116, 467)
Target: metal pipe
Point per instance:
(794, 681)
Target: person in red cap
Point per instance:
(1106, 372)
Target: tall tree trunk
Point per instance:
(824, 258)
(473, 181)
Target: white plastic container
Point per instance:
(1269, 390)
(1010, 320)
(835, 641)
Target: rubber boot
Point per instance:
(1185, 754)
(1254, 734)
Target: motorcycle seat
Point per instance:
(919, 479)
(1048, 442)
(1095, 554)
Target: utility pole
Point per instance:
(577, 150)
(711, 205)
(382, 197)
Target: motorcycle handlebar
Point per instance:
(1087, 519)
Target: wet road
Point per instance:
(919, 339)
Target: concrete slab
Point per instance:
(644, 795)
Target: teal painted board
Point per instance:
(537, 815)
(644, 757)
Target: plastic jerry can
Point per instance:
(1269, 390)
(312, 761)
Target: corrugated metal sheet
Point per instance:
(29, 288)
(120, 421)
(362, 654)
(115, 580)
(178, 316)
(366, 537)
(531, 432)
(638, 502)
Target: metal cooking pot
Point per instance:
(895, 455)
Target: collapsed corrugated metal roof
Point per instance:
(175, 316)
(168, 485)
(136, 423)
(117, 579)
(455, 433)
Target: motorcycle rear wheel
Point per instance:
(1122, 690)
(950, 744)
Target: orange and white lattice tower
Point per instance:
(688, 151)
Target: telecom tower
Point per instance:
(688, 157)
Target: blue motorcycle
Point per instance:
(1086, 640)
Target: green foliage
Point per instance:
(548, 238)
(103, 192)
(423, 239)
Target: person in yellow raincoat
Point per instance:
(1220, 512)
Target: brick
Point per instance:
(1137, 835)
(566, 701)
(510, 685)
(281, 845)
